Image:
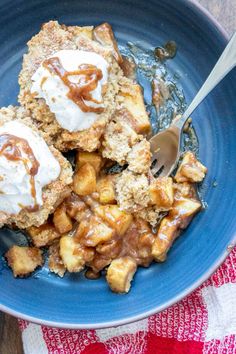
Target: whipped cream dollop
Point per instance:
(50, 86)
(15, 179)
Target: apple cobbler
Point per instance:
(100, 210)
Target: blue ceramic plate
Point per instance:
(73, 301)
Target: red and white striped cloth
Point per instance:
(203, 322)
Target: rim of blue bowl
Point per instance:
(183, 294)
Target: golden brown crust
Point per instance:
(53, 194)
(54, 37)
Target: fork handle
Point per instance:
(225, 63)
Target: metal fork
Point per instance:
(165, 146)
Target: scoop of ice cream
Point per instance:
(16, 189)
(50, 86)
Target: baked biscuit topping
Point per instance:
(26, 166)
(73, 83)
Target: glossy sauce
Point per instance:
(11, 148)
(136, 242)
(74, 205)
(88, 77)
(167, 88)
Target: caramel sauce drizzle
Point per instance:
(11, 147)
(88, 77)
(44, 79)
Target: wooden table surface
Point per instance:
(10, 338)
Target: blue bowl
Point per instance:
(73, 301)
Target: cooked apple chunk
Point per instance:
(132, 99)
(76, 207)
(61, 220)
(160, 92)
(111, 248)
(43, 235)
(162, 193)
(105, 36)
(93, 158)
(99, 262)
(93, 231)
(72, 254)
(190, 169)
(55, 263)
(128, 67)
(116, 218)
(167, 233)
(185, 189)
(23, 260)
(178, 219)
(120, 274)
(84, 180)
(106, 190)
